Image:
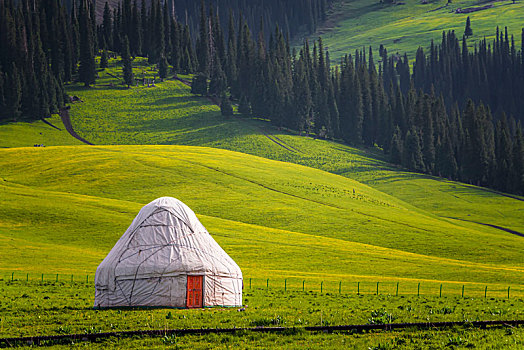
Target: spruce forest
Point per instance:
(454, 112)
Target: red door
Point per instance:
(194, 291)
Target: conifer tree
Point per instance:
(162, 68)
(107, 25)
(2, 96)
(127, 64)
(199, 85)
(202, 49)
(412, 153)
(13, 93)
(395, 155)
(244, 107)
(86, 70)
(103, 59)
(225, 106)
(468, 31)
(136, 31)
(218, 83)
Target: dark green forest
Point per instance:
(456, 114)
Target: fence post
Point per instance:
(418, 290)
(267, 284)
(358, 288)
(463, 291)
(396, 294)
(57, 277)
(304, 281)
(285, 285)
(508, 293)
(377, 288)
(485, 292)
(27, 278)
(250, 283)
(321, 285)
(42, 277)
(440, 290)
(12, 277)
(87, 279)
(340, 287)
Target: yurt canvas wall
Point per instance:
(166, 258)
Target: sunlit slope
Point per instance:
(23, 134)
(270, 216)
(354, 24)
(116, 116)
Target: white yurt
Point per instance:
(166, 258)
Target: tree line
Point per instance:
(420, 125)
(446, 117)
(38, 52)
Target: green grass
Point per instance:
(353, 24)
(273, 218)
(30, 308)
(27, 134)
(288, 208)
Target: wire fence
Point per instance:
(328, 287)
(392, 288)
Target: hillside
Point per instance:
(403, 27)
(399, 226)
(251, 205)
(169, 114)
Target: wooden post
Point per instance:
(418, 290)
(396, 294)
(508, 293)
(377, 288)
(12, 277)
(267, 284)
(87, 279)
(440, 290)
(485, 292)
(358, 288)
(27, 278)
(303, 282)
(463, 291)
(285, 285)
(321, 285)
(42, 277)
(340, 287)
(250, 283)
(56, 277)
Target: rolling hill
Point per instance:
(406, 25)
(272, 217)
(283, 205)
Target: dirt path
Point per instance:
(66, 120)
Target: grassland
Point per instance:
(27, 134)
(286, 207)
(285, 218)
(64, 308)
(354, 24)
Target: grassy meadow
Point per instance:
(298, 211)
(28, 134)
(64, 308)
(354, 24)
(255, 208)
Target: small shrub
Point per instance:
(446, 310)
(381, 317)
(64, 330)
